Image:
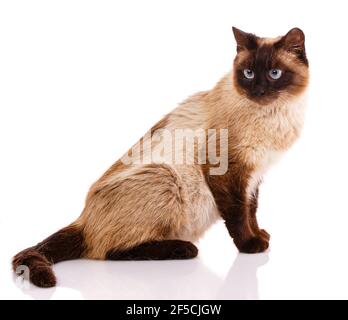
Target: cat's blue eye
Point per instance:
(249, 74)
(275, 74)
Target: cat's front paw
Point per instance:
(254, 244)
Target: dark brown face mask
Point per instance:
(264, 68)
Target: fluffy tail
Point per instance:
(66, 244)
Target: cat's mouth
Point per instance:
(262, 99)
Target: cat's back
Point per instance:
(190, 114)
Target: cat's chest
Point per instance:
(268, 158)
(269, 141)
(274, 137)
(264, 138)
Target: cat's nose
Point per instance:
(258, 91)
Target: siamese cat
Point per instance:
(145, 209)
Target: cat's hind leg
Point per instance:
(156, 250)
(136, 211)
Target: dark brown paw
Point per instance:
(184, 250)
(43, 277)
(255, 244)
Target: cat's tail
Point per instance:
(66, 244)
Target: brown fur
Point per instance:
(155, 211)
(286, 53)
(160, 124)
(41, 273)
(156, 250)
(66, 244)
(254, 132)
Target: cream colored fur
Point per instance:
(138, 203)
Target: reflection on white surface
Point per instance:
(241, 281)
(189, 279)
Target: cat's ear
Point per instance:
(294, 42)
(245, 41)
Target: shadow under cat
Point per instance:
(155, 279)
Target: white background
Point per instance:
(81, 81)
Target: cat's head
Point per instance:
(266, 69)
